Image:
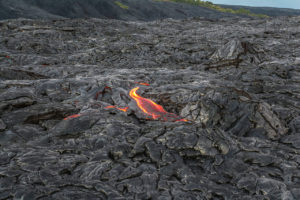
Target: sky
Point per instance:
(266, 3)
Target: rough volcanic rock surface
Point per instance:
(235, 80)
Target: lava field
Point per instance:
(166, 110)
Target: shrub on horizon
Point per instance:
(208, 4)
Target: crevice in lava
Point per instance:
(38, 118)
(103, 92)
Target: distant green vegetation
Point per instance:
(210, 5)
(121, 5)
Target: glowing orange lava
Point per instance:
(152, 109)
(146, 84)
(182, 120)
(72, 116)
(107, 107)
(122, 109)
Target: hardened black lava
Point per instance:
(236, 81)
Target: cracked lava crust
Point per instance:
(170, 109)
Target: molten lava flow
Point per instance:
(146, 105)
(149, 107)
(182, 120)
(72, 116)
(146, 84)
(122, 109)
(107, 107)
(152, 109)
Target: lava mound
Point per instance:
(170, 109)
